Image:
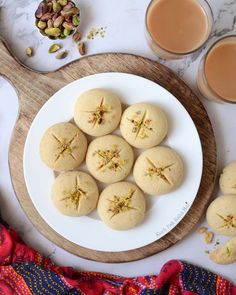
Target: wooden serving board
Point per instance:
(35, 88)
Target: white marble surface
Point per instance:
(125, 33)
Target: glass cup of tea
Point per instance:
(217, 71)
(177, 28)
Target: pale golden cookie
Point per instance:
(121, 206)
(228, 179)
(221, 215)
(74, 193)
(158, 170)
(225, 254)
(109, 158)
(63, 147)
(143, 125)
(97, 112)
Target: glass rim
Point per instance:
(187, 52)
(204, 64)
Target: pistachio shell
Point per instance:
(55, 32)
(54, 48)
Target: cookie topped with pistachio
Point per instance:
(57, 18)
(74, 193)
(121, 206)
(158, 170)
(97, 112)
(221, 215)
(143, 125)
(63, 147)
(109, 158)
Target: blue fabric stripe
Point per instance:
(42, 281)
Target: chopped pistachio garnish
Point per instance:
(97, 115)
(229, 221)
(121, 204)
(29, 51)
(110, 159)
(140, 125)
(100, 32)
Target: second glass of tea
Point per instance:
(176, 28)
(217, 71)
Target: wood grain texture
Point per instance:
(34, 89)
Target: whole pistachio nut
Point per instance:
(55, 16)
(54, 48)
(75, 20)
(62, 2)
(68, 26)
(29, 51)
(68, 19)
(50, 23)
(41, 10)
(54, 32)
(67, 32)
(46, 16)
(56, 7)
(70, 12)
(49, 4)
(68, 6)
(62, 55)
(76, 37)
(81, 48)
(58, 21)
(41, 25)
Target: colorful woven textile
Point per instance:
(24, 271)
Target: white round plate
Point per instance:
(163, 213)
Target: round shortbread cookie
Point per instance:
(221, 215)
(228, 179)
(63, 147)
(74, 193)
(143, 125)
(109, 158)
(158, 171)
(97, 112)
(121, 206)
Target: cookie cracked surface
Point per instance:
(74, 193)
(63, 147)
(158, 170)
(121, 206)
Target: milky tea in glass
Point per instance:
(175, 28)
(217, 71)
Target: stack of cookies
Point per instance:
(110, 159)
